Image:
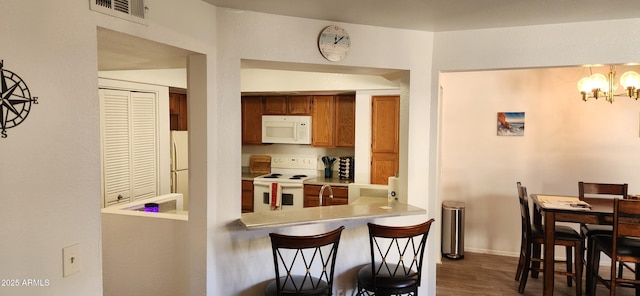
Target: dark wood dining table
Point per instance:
(601, 212)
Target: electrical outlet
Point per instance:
(340, 292)
(70, 260)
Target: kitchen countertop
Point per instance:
(333, 181)
(362, 208)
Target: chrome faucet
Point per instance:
(322, 191)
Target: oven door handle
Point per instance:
(284, 185)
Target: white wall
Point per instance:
(543, 162)
(50, 176)
(255, 36)
(566, 140)
(144, 256)
(164, 77)
(50, 163)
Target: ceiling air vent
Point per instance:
(131, 10)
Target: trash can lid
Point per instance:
(453, 204)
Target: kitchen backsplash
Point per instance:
(287, 149)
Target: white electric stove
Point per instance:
(289, 172)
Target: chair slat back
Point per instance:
(626, 218)
(525, 214)
(311, 258)
(398, 251)
(604, 189)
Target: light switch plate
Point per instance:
(70, 260)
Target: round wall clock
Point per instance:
(334, 43)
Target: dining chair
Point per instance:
(600, 190)
(532, 240)
(304, 265)
(622, 246)
(396, 260)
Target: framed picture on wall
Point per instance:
(510, 124)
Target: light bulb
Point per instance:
(584, 85)
(600, 82)
(630, 79)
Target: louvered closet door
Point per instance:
(129, 137)
(143, 143)
(116, 155)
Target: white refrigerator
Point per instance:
(180, 165)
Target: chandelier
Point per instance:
(601, 86)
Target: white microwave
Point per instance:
(286, 129)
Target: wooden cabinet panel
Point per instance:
(299, 105)
(311, 198)
(385, 137)
(385, 129)
(340, 196)
(345, 121)
(334, 121)
(178, 111)
(323, 120)
(247, 196)
(383, 166)
(275, 105)
(252, 120)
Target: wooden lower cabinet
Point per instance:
(311, 198)
(247, 196)
(383, 166)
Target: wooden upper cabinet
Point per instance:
(252, 120)
(333, 121)
(287, 105)
(275, 105)
(385, 129)
(178, 111)
(345, 121)
(322, 121)
(299, 105)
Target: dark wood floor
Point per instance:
(482, 274)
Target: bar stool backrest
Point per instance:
(397, 251)
(304, 265)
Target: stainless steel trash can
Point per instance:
(453, 229)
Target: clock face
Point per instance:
(334, 43)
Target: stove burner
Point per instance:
(272, 176)
(299, 176)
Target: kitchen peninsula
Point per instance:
(362, 208)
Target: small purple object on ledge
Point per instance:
(151, 207)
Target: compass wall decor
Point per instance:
(15, 100)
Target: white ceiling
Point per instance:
(117, 51)
(444, 15)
